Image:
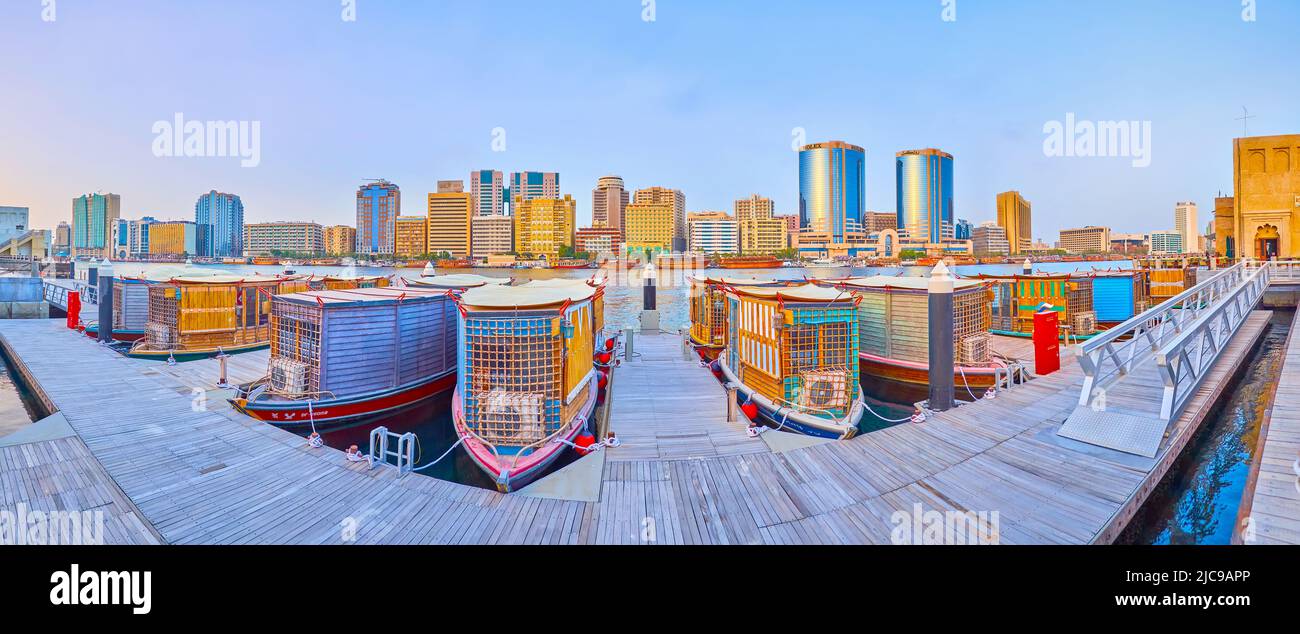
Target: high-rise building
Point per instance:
(963, 228)
(175, 237)
(488, 188)
(598, 240)
(753, 207)
(544, 226)
(449, 215)
(832, 188)
(1165, 242)
(1015, 215)
(93, 217)
(379, 203)
(340, 240)
(609, 201)
(1266, 204)
(791, 229)
(526, 186)
(763, 236)
(491, 235)
(676, 200)
(305, 239)
(131, 237)
(411, 236)
(649, 226)
(713, 232)
(876, 221)
(63, 239)
(1089, 239)
(1186, 223)
(13, 222)
(989, 239)
(925, 194)
(223, 214)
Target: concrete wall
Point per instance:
(23, 298)
(1281, 297)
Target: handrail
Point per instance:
(1111, 355)
(1185, 360)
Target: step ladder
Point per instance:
(380, 441)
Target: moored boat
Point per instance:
(1117, 296)
(338, 356)
(792, 354)
(198, 317)
(528, 383)
(131, 300)
(1017, 297)
(749, 262)
(894, 342)
(456, 281)
(709, 312)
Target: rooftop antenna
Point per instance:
(1245, 121)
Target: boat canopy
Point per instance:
(804, 293)
(738, 281)
(361, 296)
(529, 295)
(226, 279)
(459, 280)
(896, 281)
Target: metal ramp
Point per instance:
(1183, 337)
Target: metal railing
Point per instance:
(1185, 360)
(379, 452)
(1285, 271)
(57, 293)
(1109, 357)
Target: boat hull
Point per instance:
(706, 351)
(332, 413)
(530, 468)
(118, 335)
(907, 382)
(785, 419)
(193, 355)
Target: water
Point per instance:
(1198, 500)
(18, 407)
(431, 421)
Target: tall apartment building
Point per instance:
(753, 207)
(1089, 239)
(543, 226)
(488, 189)
(713, 232)
(223, 214)
(63, 239)
(989, 239)
(1165, 242)
(1015, 214)
(411, 236)
(1185, 222)
(378, 205)
(526, 186)
(649, 226)
(93, 217)
(340, 240)
(832, 188)
(305, 239)
(760, 232)
(675, 200)
(609, 202)
(449, 213)
(491, 235)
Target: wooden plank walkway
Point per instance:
(213, 476)
(1274, 494)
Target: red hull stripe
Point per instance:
(329, 411)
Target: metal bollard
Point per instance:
(221, 360)
(628, 334)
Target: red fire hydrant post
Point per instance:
(74, 309)
(1047, 342)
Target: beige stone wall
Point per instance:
(1267, 192)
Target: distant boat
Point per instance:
(750, 262)
(574, 264)
(827, 263)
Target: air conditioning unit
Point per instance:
(289, 376)
(1084, 323)
(158, 334)
(975, 349)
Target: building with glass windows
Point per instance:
(223, 214)
(526, 186)
(832, 187)
(378, 205)
(488, 188)
(93, 219)
(924, 192)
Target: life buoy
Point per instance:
(583, 443)
(750, 409)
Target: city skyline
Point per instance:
(666, 120)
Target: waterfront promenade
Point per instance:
(179, 470)
(1273, 492)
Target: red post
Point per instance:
(1047, 342)
(74, 309)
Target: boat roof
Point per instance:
(565, 282)
(530, 295)
(802, 293)
(459, 280)
(167, 273)
(738, 281)
(225, 279)
(361, 296)
(351, 278)
(899, 281)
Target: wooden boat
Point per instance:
(793, 353)
(709, 311)
(456, 281)
(131, 300)
(573, 264)
(529, 383)
(894, 341)
(265, 261)
(1168, 278)
(1017, 297)
(459, 263)
(198, 317)
(338, 356)
(346, 282)
(749, 262)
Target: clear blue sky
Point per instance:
(703, 99)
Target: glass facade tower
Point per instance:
(925, 207)
(832, 187)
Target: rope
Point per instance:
(444, 454)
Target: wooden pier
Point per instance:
(162, 450)
(1270, 513)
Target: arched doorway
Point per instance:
(1266, 242)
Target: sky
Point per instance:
(706, 96)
